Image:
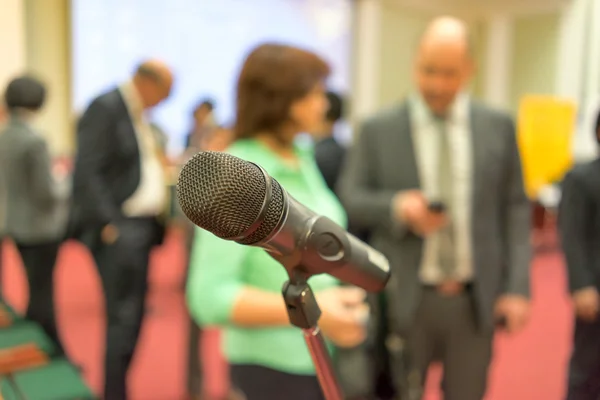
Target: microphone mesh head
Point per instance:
(224, 195)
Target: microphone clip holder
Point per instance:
(304, 313)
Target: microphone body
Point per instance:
(297, 237)
(318, 245)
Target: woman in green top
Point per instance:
(280, 93)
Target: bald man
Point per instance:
(119, 196)
(437, 180)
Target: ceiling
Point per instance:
(484, 7)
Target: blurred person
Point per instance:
(119, 200)
(35, 200)
(280, 94)
(216, 139)
(171, 173)
(579, 231)
(329, 153)
(161, 137)
(202, 123)
(460, 267)
(354, 364)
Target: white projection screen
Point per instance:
(204, 41)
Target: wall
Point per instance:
(40, 41)
(480, 35)
(534, 58)
(400, 30)
(47, 55)
(12, 45)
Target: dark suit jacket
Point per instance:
(329, 155)
(579, 225)
(35, 205)
(107, 166)
(382, 163)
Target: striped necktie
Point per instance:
(446, 255)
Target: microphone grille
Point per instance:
(221, 193)
(274, 213)
(224, 195)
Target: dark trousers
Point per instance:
(123, 269)
(39, 261)
(261, 383)
(584, 369)
(383, 376)
(446, 330)
(194, 364)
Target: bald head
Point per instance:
(153, 79)
(443, 64)
(447, 32)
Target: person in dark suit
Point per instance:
(579, 231)
(35, 202)
(459, 266)
(329, 153)
(119, 200)
(354, 365)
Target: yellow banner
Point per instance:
(545, 130)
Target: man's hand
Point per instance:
(514, 310)
(345, 314)
(586, 303)
(412, 208)
(60, 170)
(109, 234)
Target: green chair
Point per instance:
(16, 317)
(58, 380)
(26, 332)
(8, 390)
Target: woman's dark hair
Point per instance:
(335, 111)
(272, 78)
(25, 92)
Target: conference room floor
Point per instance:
(528, 366)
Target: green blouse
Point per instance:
(219, 269)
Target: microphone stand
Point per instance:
(304, 313)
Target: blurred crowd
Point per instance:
(434, 182)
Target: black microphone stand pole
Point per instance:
(304, 313)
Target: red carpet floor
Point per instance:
(528, 366)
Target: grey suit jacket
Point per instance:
(35, 206)
(382, 163)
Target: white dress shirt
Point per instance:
(425, 131)
(150, 196)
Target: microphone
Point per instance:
(237, 200)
